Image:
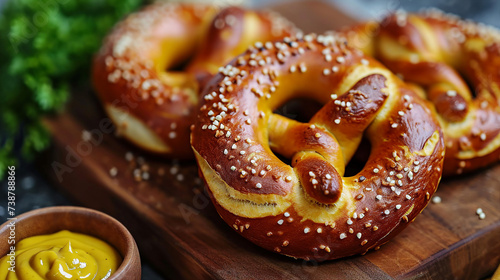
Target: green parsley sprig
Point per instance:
(45, 46)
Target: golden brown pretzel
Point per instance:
(150, 70)
(444, 55)
(310, 210)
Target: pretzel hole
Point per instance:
(359, 159)
(473, 87)
(180, 65)
(175, 75)
(299, 109)
(284, 159)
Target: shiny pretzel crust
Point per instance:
(309, 209)
(139, 73)
(455, 63)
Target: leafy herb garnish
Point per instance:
(45, 46)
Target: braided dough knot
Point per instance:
(454, 64)
(308, 208)
(153, 64)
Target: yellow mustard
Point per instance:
(62, 255)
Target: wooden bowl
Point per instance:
(82, 220)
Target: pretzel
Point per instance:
(152, 66)
(443, 55)
(310, 209)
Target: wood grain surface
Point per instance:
(180, 233)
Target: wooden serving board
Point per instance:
(180, 233)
